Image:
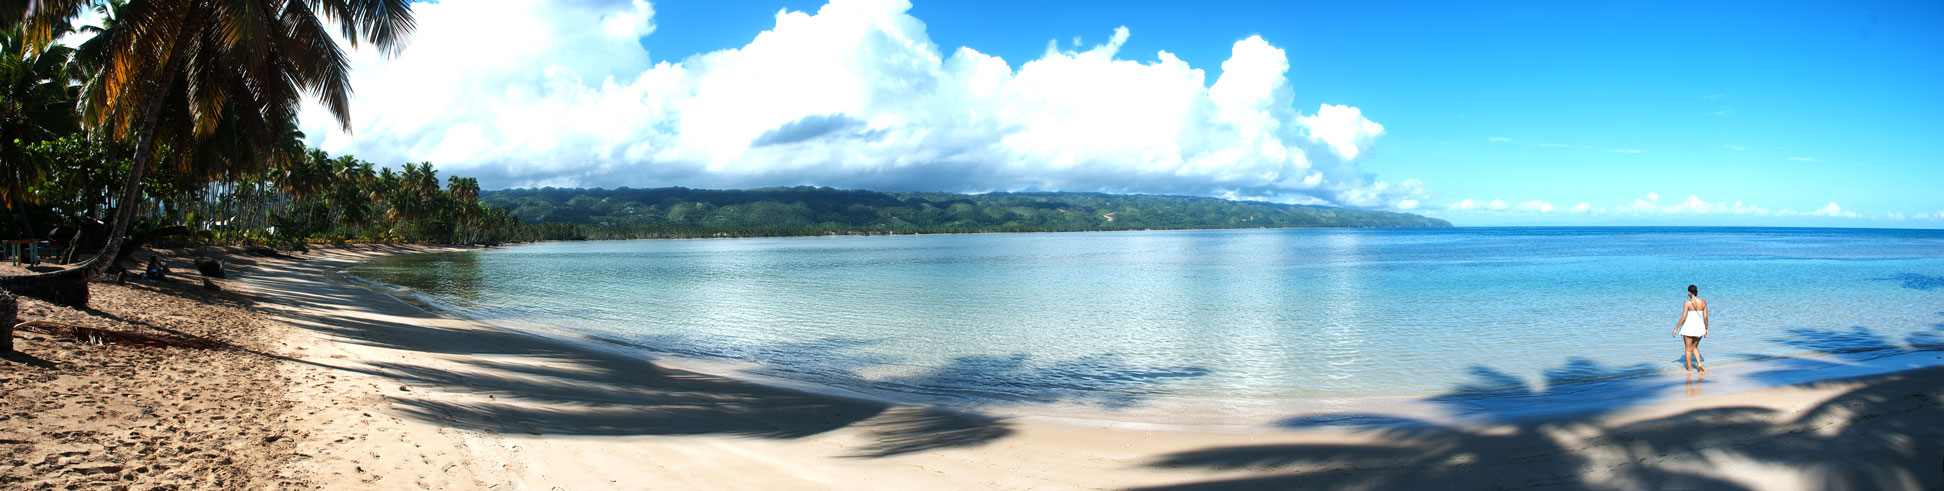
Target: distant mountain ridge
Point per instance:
(806, 210)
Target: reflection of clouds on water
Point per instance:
(1249, 338)
(1343, 315)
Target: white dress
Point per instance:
(1696, 324)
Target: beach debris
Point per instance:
(107, 336)
(209, 267)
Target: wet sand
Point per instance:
(363, 391)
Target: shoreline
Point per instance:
(1243, 414)
(479, 406)
(1500, 227)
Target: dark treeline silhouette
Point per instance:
(573, 213)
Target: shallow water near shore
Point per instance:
(1219, 321)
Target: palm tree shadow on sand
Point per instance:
(1880, 435)
(575, 392)
(514, 383)
(521, 383)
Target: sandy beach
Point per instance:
(329, 385)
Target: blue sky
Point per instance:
(1485, 114)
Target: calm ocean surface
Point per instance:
(1114, 319)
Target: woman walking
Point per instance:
(1692, 326)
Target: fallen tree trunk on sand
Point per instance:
(69, 287)
(106, 336)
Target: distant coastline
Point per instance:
(623, 213)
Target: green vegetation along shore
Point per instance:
(575, 214)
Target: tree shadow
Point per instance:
(1858, 348)
(905, 430)
(515, 382)
(28, 360)
(518, 383)
(1880, 433)
(1581, 386)
(1106, 380)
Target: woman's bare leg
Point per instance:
(1687, 353)
(1695, 347)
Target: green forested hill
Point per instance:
(803, 210)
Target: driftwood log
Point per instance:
(91, 335)
(68, 287)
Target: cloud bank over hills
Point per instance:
(530, 93)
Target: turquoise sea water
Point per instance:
(1115, 320)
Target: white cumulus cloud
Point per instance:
(1469, 204)
(1693, 209)
(1695, 205)
(1832, 210)
(1538, 206)
(534, 93)
(1646, 204)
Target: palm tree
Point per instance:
(350, 193)
(238, 69)
(306, 178)
(465, 192)
(36, 104)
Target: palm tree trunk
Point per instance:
(144, 144)
(9, 306)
